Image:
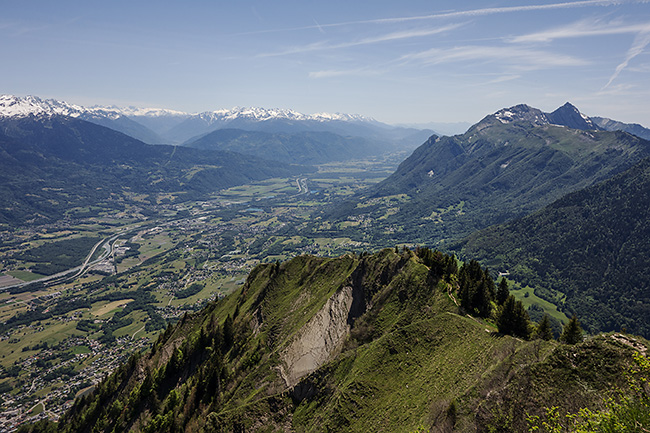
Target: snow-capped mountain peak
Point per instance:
(140, 112)
(567, 115)
(31, 105)
(521, 112)
(265, 114)
(16, 106)
(24, 106)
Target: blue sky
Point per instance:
(400, 62)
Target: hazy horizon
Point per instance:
(406, 63)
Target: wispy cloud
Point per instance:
(591, 28)
(521, 58)
(503, 79)
(460, 14)
(320, 29)
(394, 36)
(618, 90)
(640, 43)
(643, 68)
(495, 11)
(583, 28)
(332, 73)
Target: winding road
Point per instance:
(106, 244)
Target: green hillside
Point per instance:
(355, 343)
(308, 147)
(587, 252)
(50, 165)
(451, 186)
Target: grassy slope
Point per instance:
(496, 171)
(411, 361)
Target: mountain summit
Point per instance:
(11, 105)
(163, 126)
(21, 107)
(511, 163)
(15, 106)
(567, 115)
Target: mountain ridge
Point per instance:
(509, 164)
(400, 357)
(11, 105)
(159, 126)
(567, 115)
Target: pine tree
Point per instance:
(513, 319)
(572, 332)
(544, 331)
(476, 289)
(481, 299)
(228, 333)
(502, 292)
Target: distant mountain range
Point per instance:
(306, 147)
(161, 126)
(50, 164)
(17, 107)
(510, 164)
(613, 125)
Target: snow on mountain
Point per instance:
(567, 115)
(521, 112)
(141, 112)
(31, 105)
(165, 126)
(109, 117)
(263, 114)
(23, 106)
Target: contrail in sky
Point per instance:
(454, 14)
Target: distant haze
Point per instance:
(398, 62)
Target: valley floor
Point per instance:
(60, 336)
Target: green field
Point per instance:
(527, 296)
(25, 275)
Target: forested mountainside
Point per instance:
(50, 164)
(510, 164)
(309, 147)
(587, 252)
(370, 342)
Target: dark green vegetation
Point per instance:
(356, 343)
(587, 252)
(506, 166)
(57, 256)
(308, 147)
(193, 289)
(49, 165)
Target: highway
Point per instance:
(106, 244)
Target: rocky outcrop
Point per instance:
(319, 339)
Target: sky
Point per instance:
(403, 62)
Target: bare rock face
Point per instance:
(319, 339)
